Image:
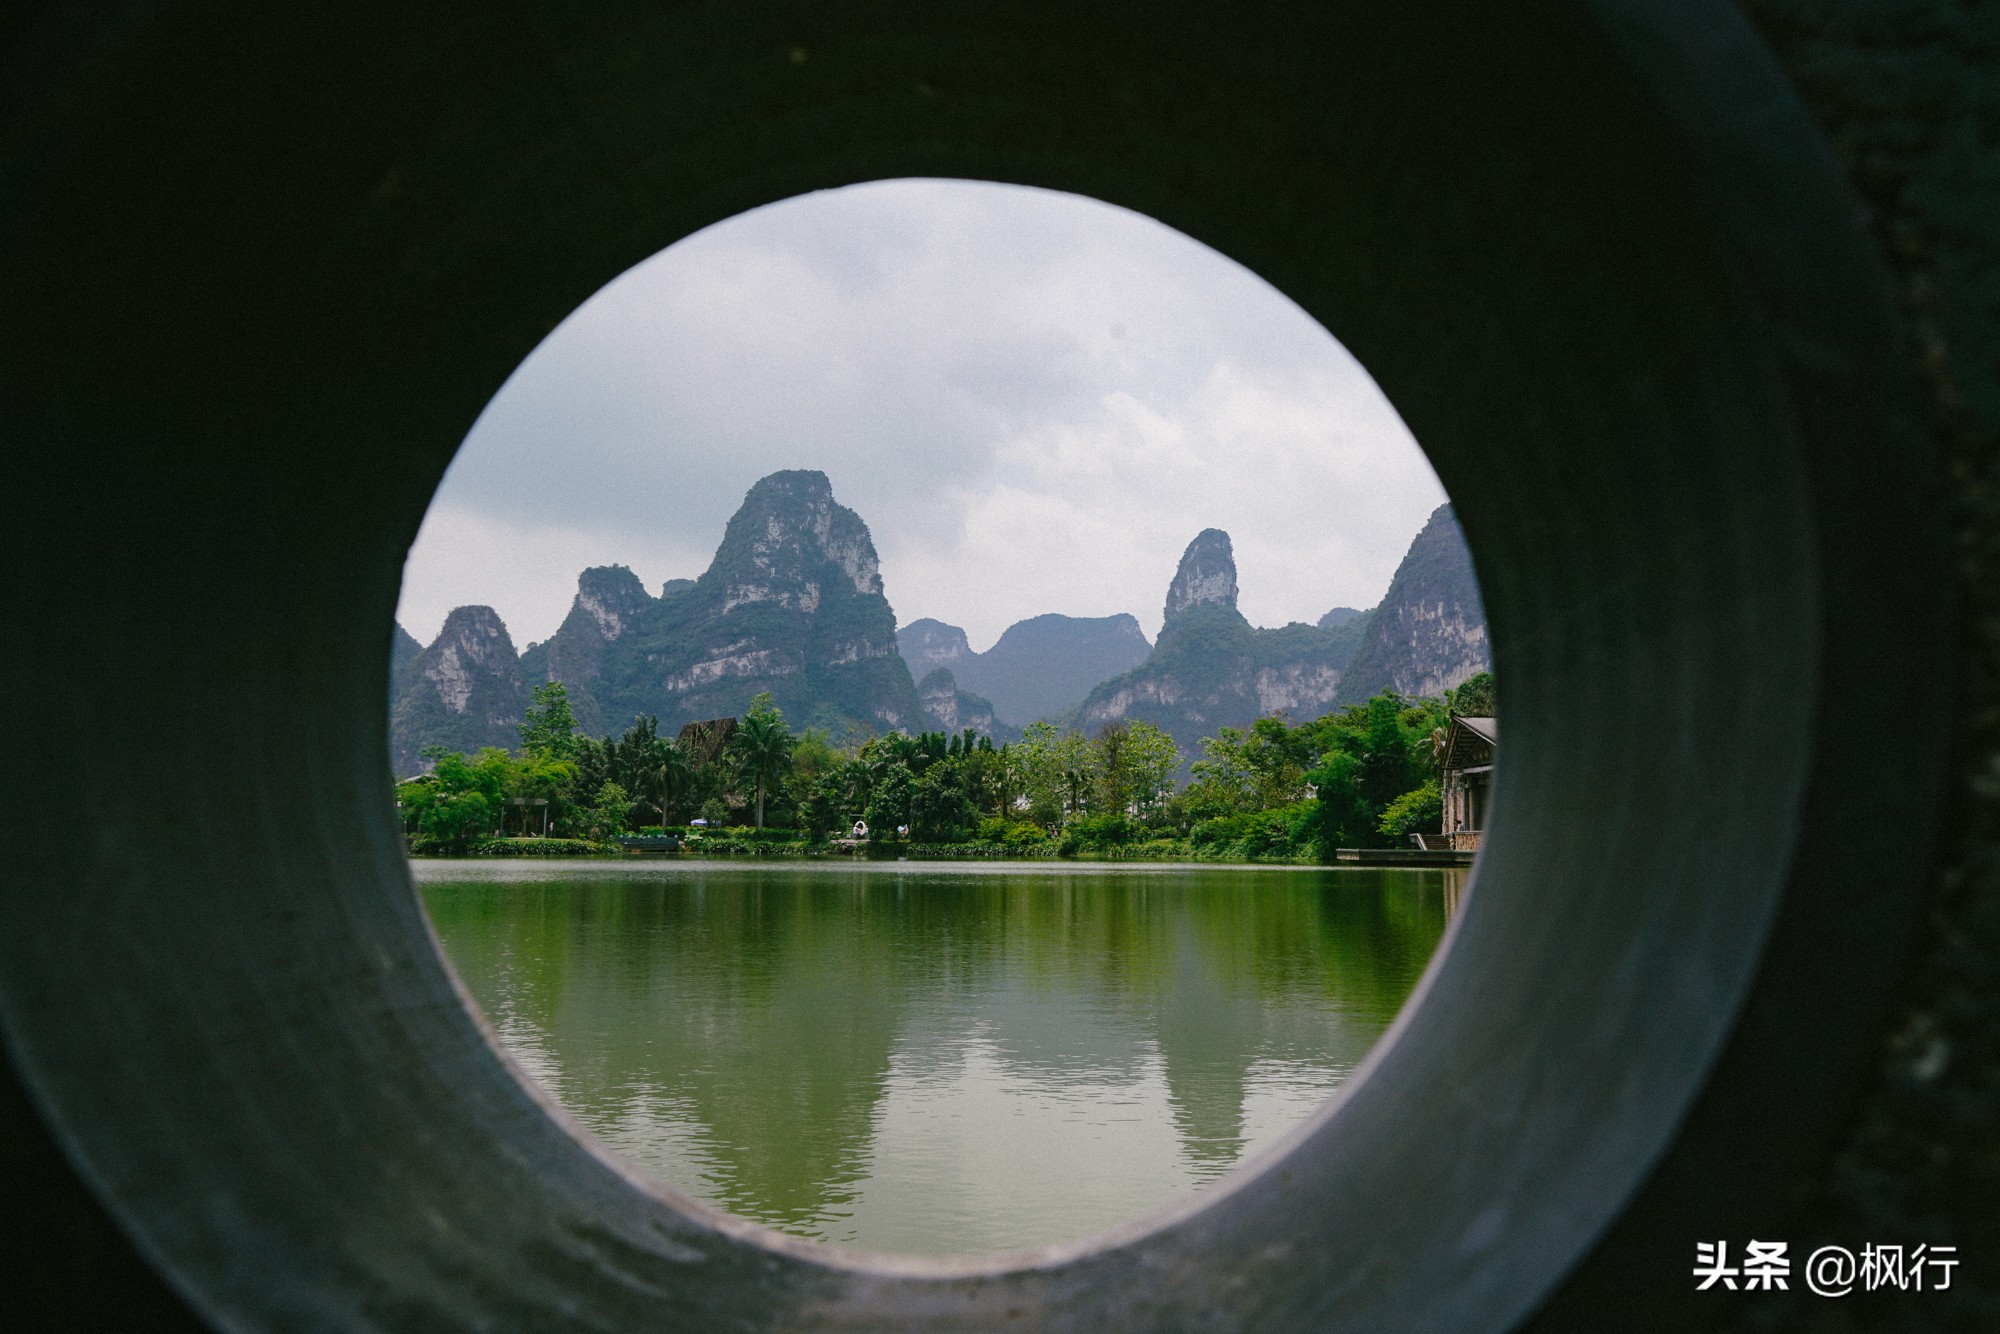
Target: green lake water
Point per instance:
(936, 1058)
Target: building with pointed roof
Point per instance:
(1466, 760)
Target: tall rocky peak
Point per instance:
(1211, 668)
(786, 542)
(927, 644)
(464, 691)
(472, 646)
(610, 602)
(1429, 634)
(792, 604)
(610, 598)
(1207, 574)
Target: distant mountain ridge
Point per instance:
(1039, 668)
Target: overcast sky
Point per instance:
(1035, 400)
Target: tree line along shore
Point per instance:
(1364, 776)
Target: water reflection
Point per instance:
(937, 1059)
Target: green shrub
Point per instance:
(1145, 850)
(745, 842)
(536, 847)
(1418, 811)
(1220, 830)
(1100, 831)
(1282, 831)
(954, 851)
(1265, 837)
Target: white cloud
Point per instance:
(1035, 401)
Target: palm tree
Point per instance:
(901, 748)
(858, 779)
(668, 778)
(762, 748)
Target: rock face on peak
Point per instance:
(927, 645)
(790, 543)
(1040, 668)
(611, 598)
(954, 710)
(1206, 577)
(610, 601)
(464, 691)
(1429, 634)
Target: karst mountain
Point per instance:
(793, 604)
(1429, 633)
(1211, 668)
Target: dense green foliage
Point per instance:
(1474, 698)
(1363, 776)
(1302, 791)
(548, 727)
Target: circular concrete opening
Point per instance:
(1023, 402)
(1594, 256)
